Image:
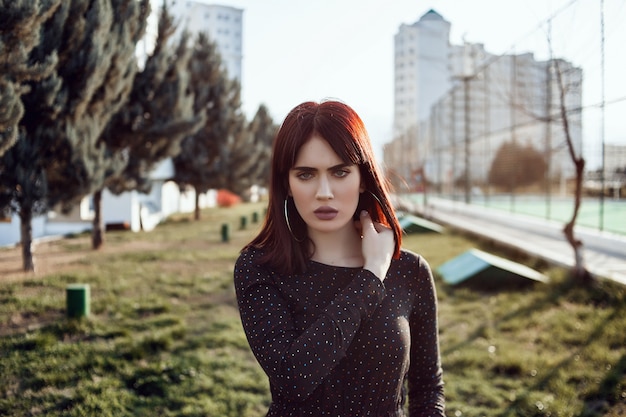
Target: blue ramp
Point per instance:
(482, 270)
(414, 224)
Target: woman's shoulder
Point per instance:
(410, 257)
(250, 253)
(413, 263)
(250, 257)
(249, 268)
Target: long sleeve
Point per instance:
(425, 381)
(297, 362)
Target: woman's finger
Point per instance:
(367, 223)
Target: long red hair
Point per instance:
(288, 251)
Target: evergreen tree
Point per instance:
(66, 112)
(198, 164)
(264, 131)
(19, 34)
(96, 83)
(155, 119)
(246, 155)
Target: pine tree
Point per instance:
(155, 119)
(198, 164)
(96, 83)
(246, 155)
(264, 131)
(66, 112)
(159, 113)
(19, 34)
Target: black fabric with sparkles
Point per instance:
(335, 341)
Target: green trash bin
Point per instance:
(78, 300)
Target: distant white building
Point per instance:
(613, 179)
(131, 210)
(223, 24)
(456, 104)
(615, 158)
(421, 69)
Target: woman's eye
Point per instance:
(305, 175)
(341, 173)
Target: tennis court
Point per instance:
(609, 216)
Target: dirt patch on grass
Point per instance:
(52, 256)
(22, 322)
(70, 255)
(47, 257)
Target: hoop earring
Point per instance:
(289, 225)
(375, 198)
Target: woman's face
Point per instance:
(325, 190)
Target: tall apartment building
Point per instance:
(421, 69)
(456, 104)
(223, 24)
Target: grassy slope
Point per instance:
(164, 336)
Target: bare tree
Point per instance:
(565, 79)
(580, 272)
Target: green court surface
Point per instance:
(609, 216)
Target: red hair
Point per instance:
(343, 129)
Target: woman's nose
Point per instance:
(323, 190)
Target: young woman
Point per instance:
(338, 316)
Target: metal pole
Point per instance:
(466, 84)
(548, 144)
(602, 115)
(453, 141)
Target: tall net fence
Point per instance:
(508, 131)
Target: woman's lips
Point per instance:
(325, 213)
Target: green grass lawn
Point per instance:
(164, 337)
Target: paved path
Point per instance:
(605, 253)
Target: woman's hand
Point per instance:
(377, 245)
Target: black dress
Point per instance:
(335, 341)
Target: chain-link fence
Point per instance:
(508, 133)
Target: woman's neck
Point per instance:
(341, 248)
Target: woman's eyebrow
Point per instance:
(333, 168)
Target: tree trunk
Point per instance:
(26, 230)
(580, 273)
(196, 213)
(97, 230)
